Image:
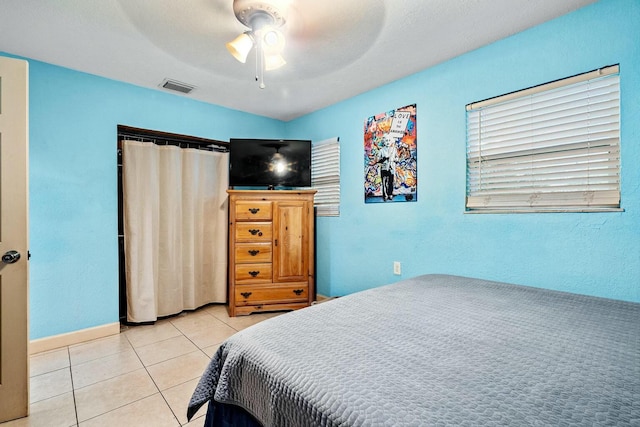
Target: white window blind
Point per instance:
(325, 176)
(554, 147)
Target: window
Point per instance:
(554, 147)
(325, 176)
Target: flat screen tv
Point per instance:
(269, 162)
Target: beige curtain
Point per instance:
(175, 228)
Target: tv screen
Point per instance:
(269, 162)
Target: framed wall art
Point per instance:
(391, 156)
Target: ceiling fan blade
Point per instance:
(314, 28)
(196, 34)
(310, 19)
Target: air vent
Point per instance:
(177, 86)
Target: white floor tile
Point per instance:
(105, 396)
(151, 411)
(181, 369)
(49, 385)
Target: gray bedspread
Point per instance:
(437, 350)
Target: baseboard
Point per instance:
(322, 298)
(75, 337)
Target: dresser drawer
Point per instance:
(253, 211)
(253, 273)
(253, 232)
(253, 252)
(256, 295)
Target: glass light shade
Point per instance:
(272, 45)
(272, 40)
(272, 62)
(240, 47)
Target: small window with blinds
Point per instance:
(325, 176)
(554, 147)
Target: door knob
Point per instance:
(10, 257)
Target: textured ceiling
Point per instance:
(335, 49)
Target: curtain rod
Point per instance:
(158, 137)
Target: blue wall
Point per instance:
(73, 184)
(73, 203)
(590, 253)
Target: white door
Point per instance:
(14, 357)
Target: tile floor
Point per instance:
(142, 377)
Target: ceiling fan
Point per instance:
(264, 19)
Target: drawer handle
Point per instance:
(298, 291)
(254, 210)
(245, 294)
(253, 252)
(254, 273)
(255, 231)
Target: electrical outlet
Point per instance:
(397, 269)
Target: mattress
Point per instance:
(436, 350)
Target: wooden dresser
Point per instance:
(271, 250)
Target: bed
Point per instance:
(434, 350)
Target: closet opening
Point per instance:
(158, 138)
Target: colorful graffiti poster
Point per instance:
(391, 156)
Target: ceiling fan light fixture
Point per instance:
(271, 37)
(263, 17)
(241, 46)
(272, 40)
(273, 62)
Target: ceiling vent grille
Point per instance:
(176, 86)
